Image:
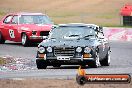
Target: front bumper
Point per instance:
(37, 37)
(71, 58)
(71, 61)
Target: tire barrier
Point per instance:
(119, 34)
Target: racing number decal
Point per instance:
(11, 33)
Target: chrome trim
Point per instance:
(64, 51)
(37, 37)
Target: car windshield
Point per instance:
(34, 19)
(72, 32)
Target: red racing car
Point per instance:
(25, 27)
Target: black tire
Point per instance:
(81, 80)
(41, 64)
(96, 62)
(56, 65)
(106, 60)
(2, 41)
(25, 40)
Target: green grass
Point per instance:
(106, 16)
(2, 61)
(2, 13)
(100, 12)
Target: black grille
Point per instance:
(44, 33)
(64, 51)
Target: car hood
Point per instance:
(36, 27)
(68, 43)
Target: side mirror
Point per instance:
(100, 27)
(97, 29)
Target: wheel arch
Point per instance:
(2, 35)
(22, 33)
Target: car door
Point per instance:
(14, 35)
(102, 45)
(5, 26)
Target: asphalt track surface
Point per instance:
(121, 62)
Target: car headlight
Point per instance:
(41, 49)
(78, 49)
(87, 50)
(49, 49)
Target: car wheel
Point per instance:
(96, 62)
(41, 64)
(2, 41)
(106, 60)
(56, 65)
(81, 80)
(25, 40)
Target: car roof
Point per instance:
(26, 13)
(78, 24)
(73, 24)
(94, 26)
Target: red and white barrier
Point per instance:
(120, 34)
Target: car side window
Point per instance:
(7, 19)
(15, 20)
